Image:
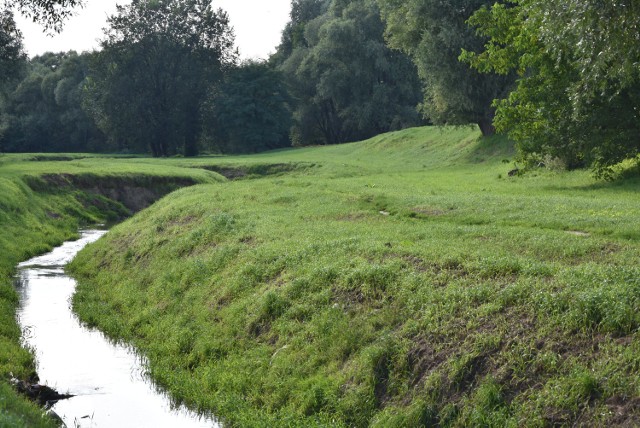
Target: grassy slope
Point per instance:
(31, 223)
(402, 281)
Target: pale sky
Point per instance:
(257, 25)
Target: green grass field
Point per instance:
(397, 282)
(401, 281)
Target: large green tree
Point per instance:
(44, 111)
(12, 62)
(347, 83)
(249, 110)
(12, 55)
(433, 33)
(578, 93)
(157, 62)
(302, 12)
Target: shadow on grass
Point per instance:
(627, 182)
(495, 147)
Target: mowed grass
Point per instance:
(32, 222)
(397, 282)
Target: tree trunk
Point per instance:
(190, 146)
(191, 131)
(486, 127)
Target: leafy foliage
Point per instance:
(349, 85)
(248, 111)
(12, 61)
(578, 92)
(433, 33)
(12, 55)
(152, 75)
(302, 12)
(49, 13)
(44, 111)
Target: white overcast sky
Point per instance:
(257, 25)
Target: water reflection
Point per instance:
(108, 380)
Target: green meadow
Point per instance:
(397, 282)
(402, 281)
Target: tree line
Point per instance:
(167, 81)
(559, 77)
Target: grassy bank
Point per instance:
(401, 281)
(42, 203)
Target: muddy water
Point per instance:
(107, 380)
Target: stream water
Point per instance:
(108, 380)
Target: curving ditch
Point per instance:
(108, 381)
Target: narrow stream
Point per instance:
(107, 380)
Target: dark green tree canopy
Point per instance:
(347, 83)
(12, 55)
(302, 12)
(578, 94)
(158, 60)
(433, 33)
(249, 110)
(43, 112)
(192, 25)
(12, 63)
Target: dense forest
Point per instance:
(560, 78)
